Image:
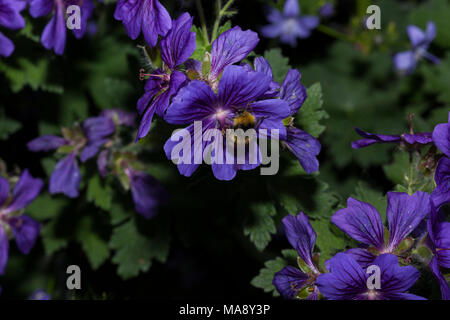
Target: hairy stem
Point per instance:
(201, 14)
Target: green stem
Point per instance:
(335, 34)
(202, 20)
(410, 179)
(221, 12)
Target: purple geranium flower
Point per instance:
(150, 16)
(10, 18)
(362, 222)
(439, 242)
(347, 280)
(290, 282)
(176, 47)
(85, 142)
(441, 137)
(407, 139)
(236, 101)
(24, 229)
(406, 61)
(304, 146)
(54, 34)
(147, 192)
(40, 294)
(289, 25)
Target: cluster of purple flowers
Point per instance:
(346, 277)
(182, 92)
(84, 142)
(54, 34)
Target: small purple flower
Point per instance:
(327, 10)
(10, 18)
(40, 294)
(289, 25)
(150, 16)
(54, 34)
(24, 229)
(237, 98)
(362, 222)
(84, 142)
(439, 242)
(176, 47)
(147, 192)
(408, 139)
(290, 281)
(441, 137)
(406, 61)
(347, 280)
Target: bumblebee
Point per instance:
(244, 120)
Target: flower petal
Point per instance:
(26, 231)
(66, 177)
(230, 47)
(46, 143)
(179, 43)
(405, 62)
(289, 281)
(291, 8)
(293, 91)
(441, 137)
(147, 193)
(25, 191)
(445, 289)
(6, 46)
(404, 213)
(195, 101)
(301, 236)
(362, 222)
(305, 147)
(4, 249)
(441, 195)
(4, 190)
(54, 35)
(394, 279)
(346, 279)
(238, 87)
(371, 138)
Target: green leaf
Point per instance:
(265, 277)
(99, 193)
(327, 241)
(46, 207)
(311, 113)
(280, 65)
(8, 126)
(51, 239)
(202, 45)
(261, 226)
(96, 248)
(33, 74)
(365, 193)
(135, 251)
